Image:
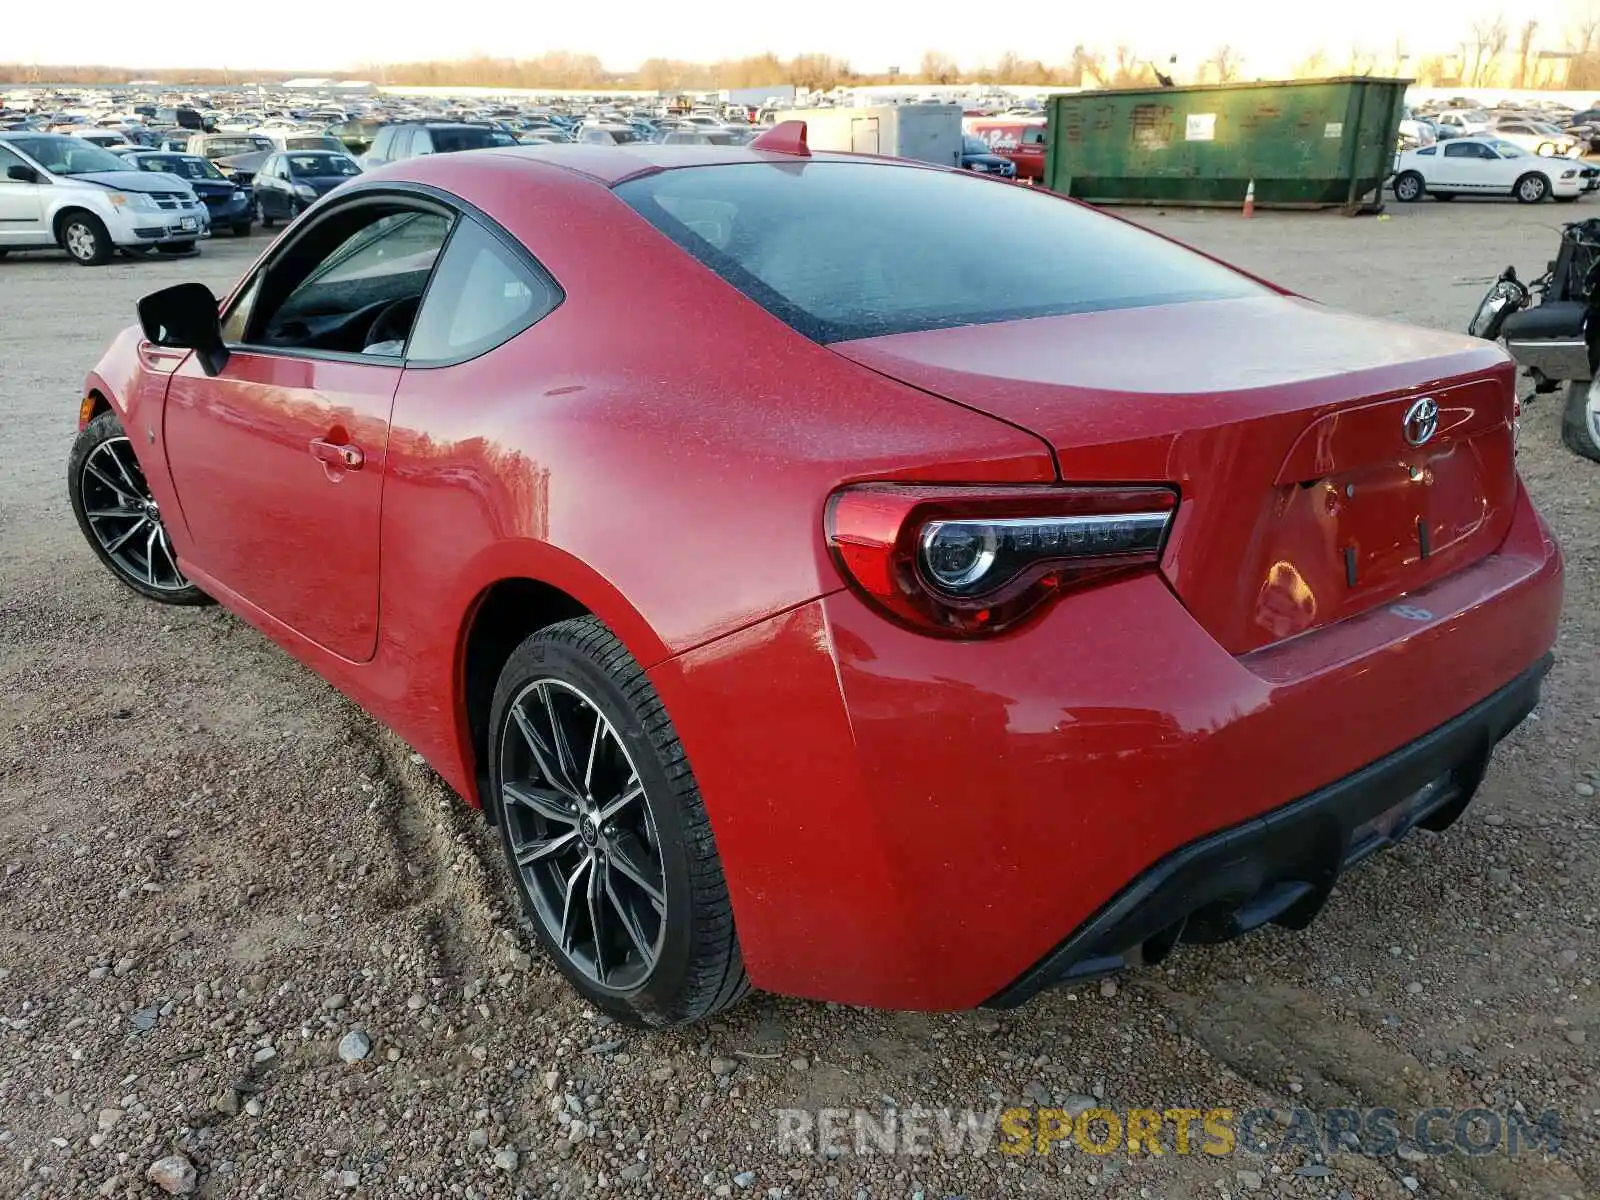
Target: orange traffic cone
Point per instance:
(1250, 199)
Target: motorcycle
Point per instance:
(1552, 328)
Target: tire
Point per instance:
(1580, 420)
(1531, 188)
(1409, 187)
(175, 248)
(675, 958)
(241, 229)
(262, 218)
(83, 236)
(104, 480)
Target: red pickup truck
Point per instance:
(1021, 139)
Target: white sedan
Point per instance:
(1485, 166)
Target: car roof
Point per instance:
(613, 164)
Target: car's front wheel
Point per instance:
(1580, 421)
(263, 219)
(120, 518)
(604, 832)
(1408, 186)
(84, 238)
(1532, 188)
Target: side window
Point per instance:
(7, 161)
(351, 284)
(1426, 150)
(484, 293)
(1460, 150)
(1033, 137)
(421, 142)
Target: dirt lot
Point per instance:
(213, 868)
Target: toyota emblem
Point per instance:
(1422, 420)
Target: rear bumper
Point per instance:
(910, 822)
(1279, 868)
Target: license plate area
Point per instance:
(188, 224)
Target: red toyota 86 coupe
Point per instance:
(818, 597)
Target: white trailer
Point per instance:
(926, 132)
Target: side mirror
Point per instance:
(185, 317)
(22, 173)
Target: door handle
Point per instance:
(335, 454)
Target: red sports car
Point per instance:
(820, 597)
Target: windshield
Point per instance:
(68, 155)
(185, 166)
(851, 250)
(322, 164)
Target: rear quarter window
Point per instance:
(844, 250)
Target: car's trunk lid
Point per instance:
(1284, 424)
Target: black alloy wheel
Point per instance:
(604, 832)
(120, 518)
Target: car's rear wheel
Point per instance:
(120, 518)
(1580, 420)
(84, 238)
(1532, 188)
(1408, 186)
(604, 832)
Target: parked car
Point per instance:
(1461, 121)
(1536, 137)
(287, 184)
(987, 610)
(301, 140)
(1021, 141)
(242, 168)
(412, 140)
(227, 145)
(976, 156)
(228, 205)
(58, 190)
(1484, 166)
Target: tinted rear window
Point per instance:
(850, 250)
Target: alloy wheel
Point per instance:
(1592, 413)
(124, 517)
(582, 835)
(80, 241)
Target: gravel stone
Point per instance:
(354, 1046)
(174, 1175)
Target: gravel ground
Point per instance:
(244, 933)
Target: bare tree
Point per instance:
(939, 68)
(1312, 65)
(1225, 62)
(1524, 52)
(1086, 68)
(1130, 71)
(1489, 38)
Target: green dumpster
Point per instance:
(1314, 143)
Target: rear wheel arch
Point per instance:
(501, 616)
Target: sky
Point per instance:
(872, 37)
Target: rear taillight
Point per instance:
(967, 562)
